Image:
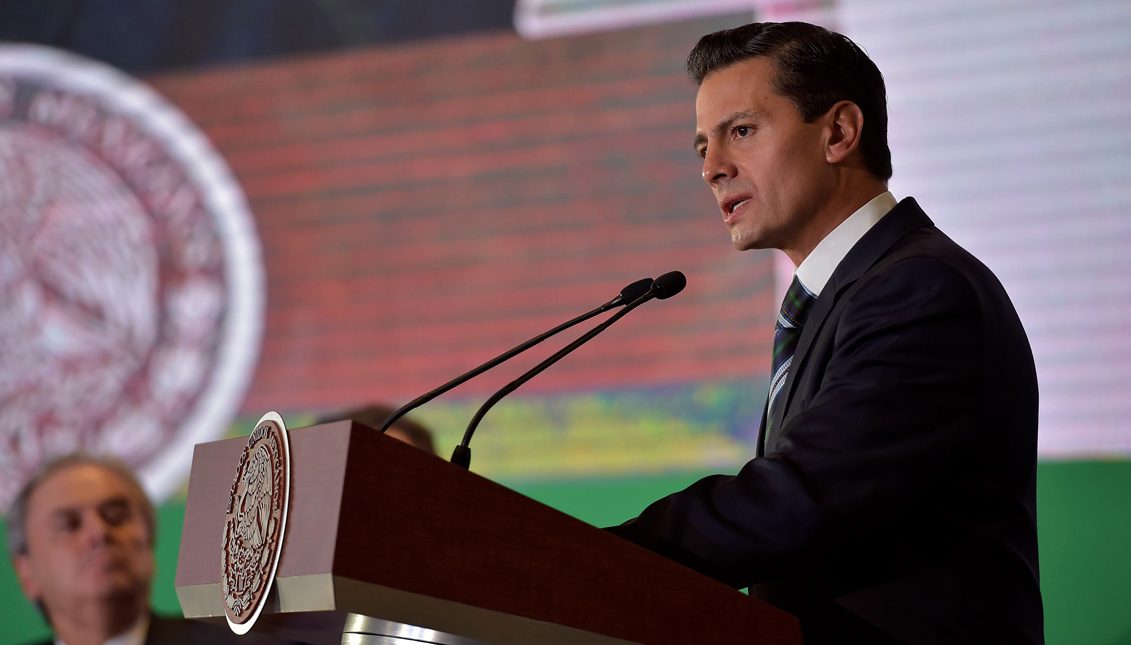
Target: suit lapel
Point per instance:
(759, 450)
(907, 216)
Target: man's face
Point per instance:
(402, 436)
(765, 165)
(87, 540)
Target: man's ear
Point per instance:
(26, 575)
(846, 122)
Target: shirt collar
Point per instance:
(818, 267)
(135, 635)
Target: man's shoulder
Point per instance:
(927, 254)
(178, 631)
(906, 245)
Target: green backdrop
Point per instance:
(1084, 521)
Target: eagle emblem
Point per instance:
(255, 522)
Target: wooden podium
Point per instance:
(386, 544)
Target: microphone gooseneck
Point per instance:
(628, 294)
(662, 288)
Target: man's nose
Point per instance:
(96, 530)
(717, 166)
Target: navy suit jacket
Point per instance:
(896, 499)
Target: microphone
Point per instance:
(629, 294)
(669, 284)
(663, 288)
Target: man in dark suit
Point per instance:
(892, 496)
(80, 535)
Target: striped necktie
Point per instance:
(791, 320)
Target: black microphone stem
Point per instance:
(462, 454)
(463, 378)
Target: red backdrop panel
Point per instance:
(425, 207)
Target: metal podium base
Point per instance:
(365, 630)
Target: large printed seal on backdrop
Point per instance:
(131, 285)
(255, 522)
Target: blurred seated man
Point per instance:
(405, 429)
(80, 535)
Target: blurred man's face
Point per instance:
(87, 540)
(766, 166)
(401, 435)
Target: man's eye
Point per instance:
(115, 513)
(743, 130)
(68, 522)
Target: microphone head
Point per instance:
(670, 284)
(633, 291)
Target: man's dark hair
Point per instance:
(814, 68)
(374, 415)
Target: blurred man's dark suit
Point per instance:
(178, 631)
(897, 496)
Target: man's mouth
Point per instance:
(731, 205)
(104, 559)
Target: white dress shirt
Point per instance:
(818, 267)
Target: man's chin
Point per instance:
(118, 587)
(746, 242)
